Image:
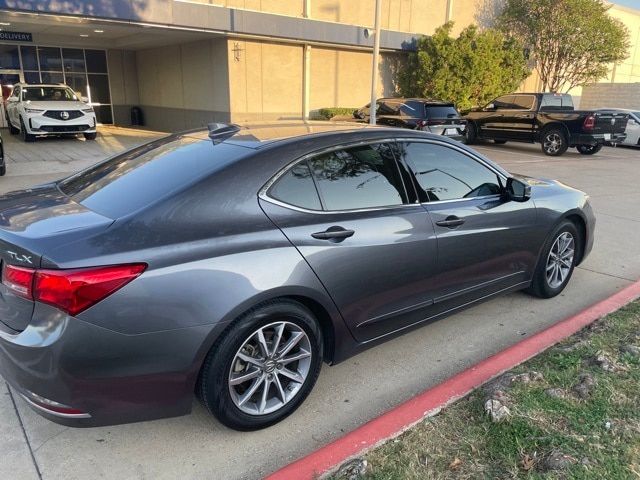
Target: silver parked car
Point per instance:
(633, 126)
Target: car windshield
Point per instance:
(55, 94)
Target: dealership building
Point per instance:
(185, 63)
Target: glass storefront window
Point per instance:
(50, 59)
(9, 57)
(29, 58)
(73, 60)
(52, 77)
(103, 113)
(99, 85)
(32, 77)
(78, 82)
(96, 61)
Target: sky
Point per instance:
(628, 3)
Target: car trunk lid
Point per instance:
(609, 122)
(31, 222)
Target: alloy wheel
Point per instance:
(553, 142)
(270, 368)
(560, 260)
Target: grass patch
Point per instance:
(599, 433)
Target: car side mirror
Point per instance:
(490, 107)
(517, 190)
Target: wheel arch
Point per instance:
(559, 125)
(578, 220)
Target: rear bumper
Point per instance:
(106, 377)
(598, 138)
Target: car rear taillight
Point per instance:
(18, 280)
(589, 122)
(70, 290)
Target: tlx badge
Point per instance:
(20, 258)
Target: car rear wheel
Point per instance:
(27, 137)
(263, 368)
(589, 149)
(470, 134)
(557, 261)
(554, 142)
(90, 136)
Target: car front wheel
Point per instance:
(27, 137)
(557, 262)
(589, 149)
(90, 136)
(470, 134)
(554, 142)
(264, 367)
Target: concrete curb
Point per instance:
(431, 401)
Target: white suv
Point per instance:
(35, 110)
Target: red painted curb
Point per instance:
(397, 420)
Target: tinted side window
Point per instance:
(525, 102)
(442, 112)
(504, 102)
(443, 173)
(359, 177)
(296, 188)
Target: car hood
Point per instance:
(52, 105)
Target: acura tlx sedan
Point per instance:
(232, 262)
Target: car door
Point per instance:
(350, 216)
(522, 118)
(494, 123)
(633, 129)
(486, 243)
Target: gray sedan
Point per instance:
(232, 262)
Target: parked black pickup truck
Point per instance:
(545, 118)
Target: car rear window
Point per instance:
(556, 101)
(412, 109)
(128, 182)
(448, 111)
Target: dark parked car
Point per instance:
(433, 116)
(232, 263)
(548, 119)
(3, 165)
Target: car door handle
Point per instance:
(333, 234)
(450, 222)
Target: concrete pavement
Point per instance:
(349, 394)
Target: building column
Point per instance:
(306, 80)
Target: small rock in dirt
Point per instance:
(497, 410)
(556, 392)
(572, 346)
(585, 385)
(585, 461)
(556, 460)
(632, 350)
(605, 363)
(527, 377)
(353, 469)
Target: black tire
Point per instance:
(554, 142)
(470, 134)
(12, 130)
(213, 384)
(27, 137)
(91, 136)
(589, 149)
(499, 142)
(540, 285)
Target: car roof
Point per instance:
(629, 110)
(260, 134)
(433, 101)
(23, 84)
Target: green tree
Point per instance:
(470, 70)
(574, 42)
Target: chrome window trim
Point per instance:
(263, 193)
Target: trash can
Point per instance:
(136, 116)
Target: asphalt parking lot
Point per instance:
(349, 394)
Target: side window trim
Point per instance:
(264, 191)
(499, 174)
